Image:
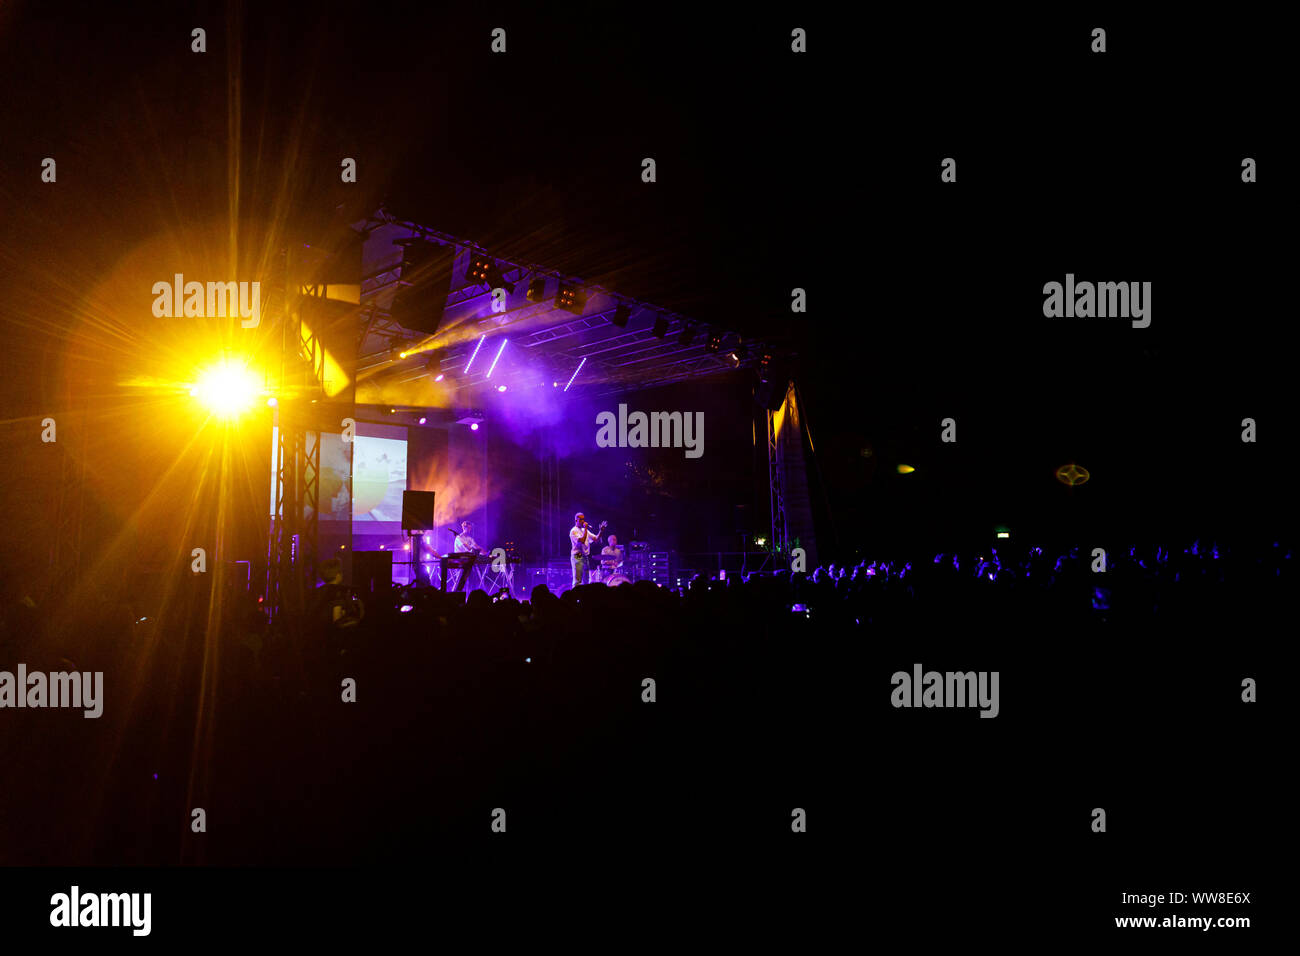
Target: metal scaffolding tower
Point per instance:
(780, 540)
(292, 543)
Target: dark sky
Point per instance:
(774, 171)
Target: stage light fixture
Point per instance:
(423, 419)
(687, 336)
(480, 267)
(734, 359)
(439, 377)
(475, 355)
(622, 315)
(661, 327)
(714, 344)
(575, 372)
(537, 289)
(497, 359)
(501, 388)
(228, 389)
(571, 299)
(473, 427)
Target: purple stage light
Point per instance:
(475, 355)
(474, 427)
(575, 372)
(498, 357)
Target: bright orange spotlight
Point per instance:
(227, 389)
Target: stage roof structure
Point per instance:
(548, 342)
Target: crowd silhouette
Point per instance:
(578, 712)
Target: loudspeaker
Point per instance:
(424, 286)
(334, 323)
(417, 511)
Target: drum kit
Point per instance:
(609, 572)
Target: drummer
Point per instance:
(611, 556)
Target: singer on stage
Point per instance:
(580, 539)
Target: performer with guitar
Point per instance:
(580, 541)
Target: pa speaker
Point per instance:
(424, 285)
(417, 510)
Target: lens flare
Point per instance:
(1072, 474)
(227, 389)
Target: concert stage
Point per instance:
(517, 396)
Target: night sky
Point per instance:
(774, 172)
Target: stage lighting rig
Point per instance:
(571, 299)
(621, 316)
(537, 289)
(714, 344)
(687, 336)
(483, 268)
(661, 327)
(479, 267)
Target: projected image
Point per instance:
(335, 499)
(378, 479)
(377, 482)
